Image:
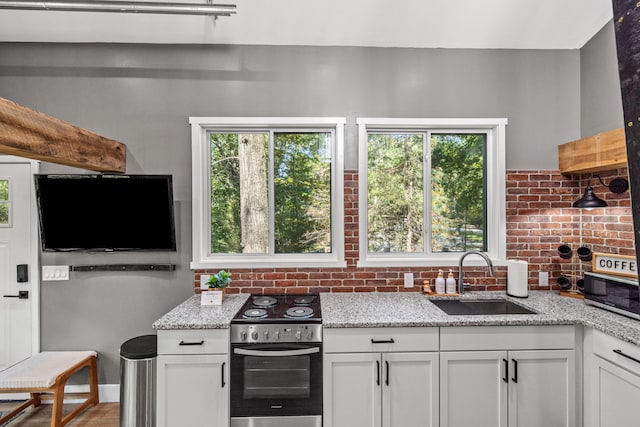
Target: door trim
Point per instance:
(34, 256)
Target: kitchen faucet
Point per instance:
(460, 274)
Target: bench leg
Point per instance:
(18, 410)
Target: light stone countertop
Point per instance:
(412, 309)
(191, 315)
(370, 310)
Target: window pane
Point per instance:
(302, 191)
(4, 190)
(239, 193)
(395, 195)
(4, 202)
(458, 193)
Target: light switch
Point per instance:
(55, 272)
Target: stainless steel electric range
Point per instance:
(276, 362)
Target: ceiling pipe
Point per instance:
(122, 7)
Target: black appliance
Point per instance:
(276, 362)
(611, 293)
(106, 212)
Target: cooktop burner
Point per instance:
(305, 300)
(299, 312)
(280, 309)
(255, 313)
(263, 301)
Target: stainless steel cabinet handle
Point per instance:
(389, 341)
(222, 368)
(506, 371)
(276, 353)
(617, 351)
(386, 380)
(191, 343)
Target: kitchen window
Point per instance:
(267, 192)
(430, 189)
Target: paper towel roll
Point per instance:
(517, 278)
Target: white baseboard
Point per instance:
(107, 393)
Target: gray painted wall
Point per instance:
(144, 95)
(601, 99)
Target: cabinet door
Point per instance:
(616, 395)
(352, 390)
(542, 388)
(410, 389)
(192, 391)
(473, 389)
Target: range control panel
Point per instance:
(276, 333)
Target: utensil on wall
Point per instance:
(564, 282)
(565, 251)
(584, 253)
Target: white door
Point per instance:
(614, 401)
(410, 390)
(191, 391)
(473, 389)
(19, 316)
(352, 390)
(542, 379)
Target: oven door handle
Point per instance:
(277, 353)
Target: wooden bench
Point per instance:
(47, 373)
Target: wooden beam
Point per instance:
(604, 151)
(28, 133)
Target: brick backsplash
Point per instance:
(539, 219)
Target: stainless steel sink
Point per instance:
(479, 307)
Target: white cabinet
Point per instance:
(612, 381)
(192, 378)
(495, 377)
(380, 377)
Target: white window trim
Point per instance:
(496, 180)
(202, 258)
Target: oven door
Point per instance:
(276, 380)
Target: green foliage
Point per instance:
(221, 279)
(458, 196)
(395, 196)
(302, 187)
(396, 206)
(301, 192)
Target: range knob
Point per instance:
(298, 335)
(276, 335)
(254, 335)
(309, 334)
(243, 335)
(266, 335)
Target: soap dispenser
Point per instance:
(451, 283)
(440, 289)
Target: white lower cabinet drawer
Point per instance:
(365, 340)
(193, 341)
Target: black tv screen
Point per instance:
(106, 212)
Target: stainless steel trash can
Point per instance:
(138, 381)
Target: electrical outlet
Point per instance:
(408, 280)
(204, 281)
(543, 279)
(55, 272)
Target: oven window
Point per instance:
(280, 377)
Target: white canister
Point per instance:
(517, 278)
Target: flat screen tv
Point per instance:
(105, 213)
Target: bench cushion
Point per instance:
(42, 369)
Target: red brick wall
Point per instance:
(539, 219)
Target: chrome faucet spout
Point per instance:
(460, 271)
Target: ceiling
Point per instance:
(477, 24)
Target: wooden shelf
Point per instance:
(601, 152)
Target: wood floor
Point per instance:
(101, 415)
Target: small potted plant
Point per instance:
(219, 282)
